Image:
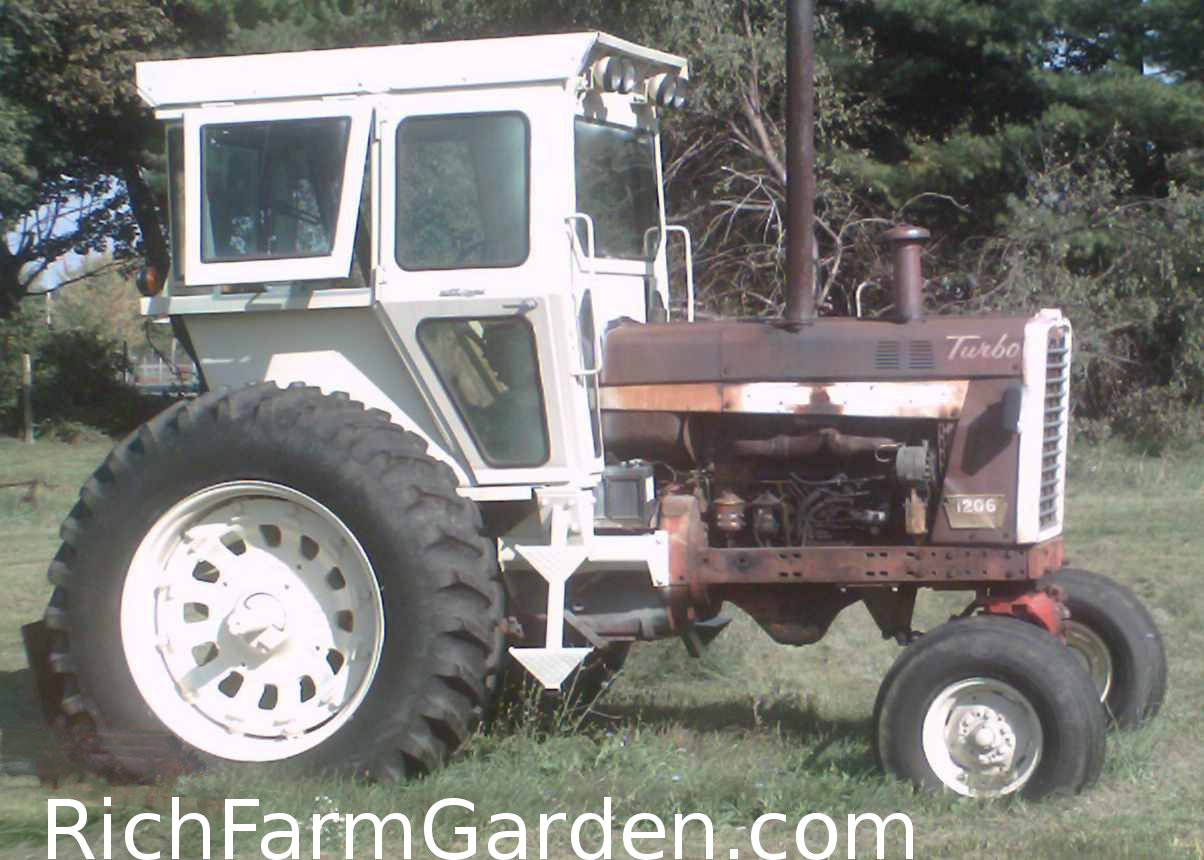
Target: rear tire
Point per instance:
(1113, 634)
(332, 529)
(989, 706)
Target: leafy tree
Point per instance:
(77, 141)
(1054, 146)
(971, 89)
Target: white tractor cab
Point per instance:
(480, 210)
(444, 232)
(456, 415)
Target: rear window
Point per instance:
(271, 189)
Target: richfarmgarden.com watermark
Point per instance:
(592, 836)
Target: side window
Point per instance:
(462, 191)
(271, 190)
(488, 368)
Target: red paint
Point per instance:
(1036, 607)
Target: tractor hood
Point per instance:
(827, 350)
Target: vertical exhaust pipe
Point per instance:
(800, 160)
(909, 273)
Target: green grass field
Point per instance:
(752, 727)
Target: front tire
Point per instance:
(986, 707)
(271, 575)
(1115, 637)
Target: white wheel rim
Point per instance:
(252, 621)
(982, 737)
(1093, 653)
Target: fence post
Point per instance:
(27, 395)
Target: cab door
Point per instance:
(473, 279)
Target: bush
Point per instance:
(1128, 272)
(1156, 420)
(79, 387)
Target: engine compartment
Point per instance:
(790, 481)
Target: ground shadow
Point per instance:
(785, 719)
(841, 743)
(28, 746)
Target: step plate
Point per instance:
(550, 666)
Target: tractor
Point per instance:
(457, 423)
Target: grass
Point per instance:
(749, 728)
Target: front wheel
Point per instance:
(986, 707)
(1116, 639)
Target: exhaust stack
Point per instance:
(800, 160)
(909, 273)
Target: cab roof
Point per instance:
(392, 68)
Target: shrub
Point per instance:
(1129, 272)
(79, 386)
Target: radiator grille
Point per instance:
(1055, 426)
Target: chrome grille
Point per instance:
(1055, 426)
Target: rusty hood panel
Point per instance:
(830, 349)
(911, 399)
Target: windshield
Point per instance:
(616, 187)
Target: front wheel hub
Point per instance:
(982, 737)
(261, 621)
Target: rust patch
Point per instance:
(941, 399)
(948, 566)
(687, 397)
(681, 517)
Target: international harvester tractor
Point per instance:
(455, 425)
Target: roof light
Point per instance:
(615, 75)
(668, 90)
(630, 78)
(681, 93)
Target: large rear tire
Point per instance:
(989, 706)
(1113, 634)
(271, 575)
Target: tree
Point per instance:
(950, 113)
(77, 142)
(971, 89)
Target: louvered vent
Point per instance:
(887, 355)
(919, 355)
(1056, 427)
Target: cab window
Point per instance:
(617, 188)
(489, 369)
(271, 190)
(462, 191)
